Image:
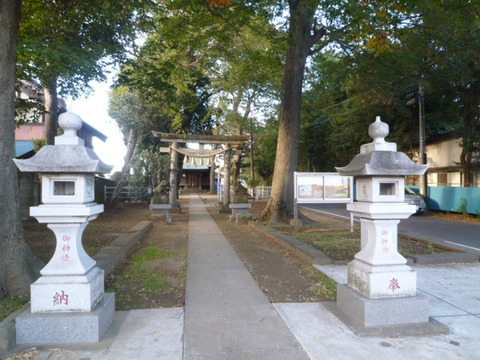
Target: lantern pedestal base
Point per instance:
(66, 328)
(67, 293)
(379, 282)
(378, 312)
(161, 210)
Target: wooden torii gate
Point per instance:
(229, 141)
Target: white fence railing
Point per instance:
(126, 194)
(260, 192)
(257, 192)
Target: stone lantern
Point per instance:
(69, 297)
(381, 286)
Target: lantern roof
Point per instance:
(381, 157)
(68, 155)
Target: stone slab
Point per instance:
(109, 256)
(142, 227)
(160, 206)
(445, 258)
(324, 336)
(430, 328)
(161, 210)
(155, 334)
(7, 329)
(381, 312)
(240, 208)
(122, 240)
(303, 251)
(66, 328)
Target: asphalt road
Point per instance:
(458, 235)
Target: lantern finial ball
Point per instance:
(70, 123)
(378, 130)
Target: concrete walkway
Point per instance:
(226, 316)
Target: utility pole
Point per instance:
(421, 130)
(252, 168)
(419, 97)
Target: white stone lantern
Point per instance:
(381, 286)
(70, 282)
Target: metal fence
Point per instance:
(457, 199)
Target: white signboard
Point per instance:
(322, 188)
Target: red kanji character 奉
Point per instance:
(394, 285)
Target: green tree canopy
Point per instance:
(66, 44)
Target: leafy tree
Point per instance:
(450, 34)
(66, 44)
(325, 90)
(248, 78)
(312, 26)
(214, 58)
(265, 146)
(438, 48)
(134, 118)
(18, 265)
(170, 69)
(149, 168)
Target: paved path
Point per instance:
(227, 316)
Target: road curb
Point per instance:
(304, 252)
(108, 257)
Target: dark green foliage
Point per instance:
(437, 46)
(74, 41)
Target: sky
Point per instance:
(94, 111)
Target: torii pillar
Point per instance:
(212, 176)
(226, 178)
(173, 176)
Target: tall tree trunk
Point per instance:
(18, 265)
(466, 163)
(132, 145)
(51, 107)
(280, 206)
(469, 144)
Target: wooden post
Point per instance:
(212, 176)
(173, 176)
(226, 175)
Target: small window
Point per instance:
(388, 189)
(64, 188)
